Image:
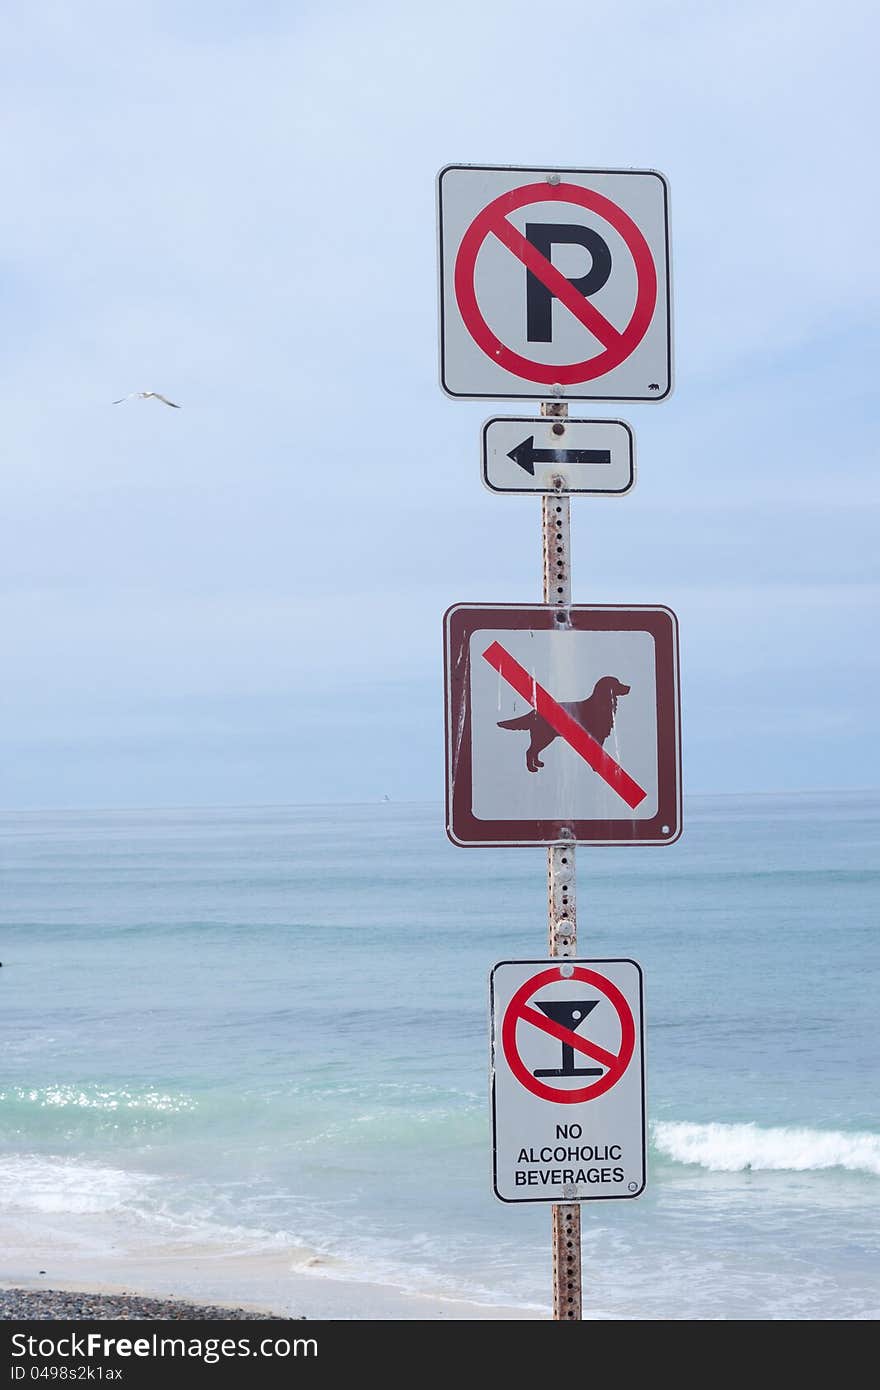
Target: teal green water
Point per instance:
(269, 1026)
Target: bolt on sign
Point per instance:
(554, 282)
(561, 724)
(568, 1080)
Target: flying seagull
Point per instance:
(145, 396)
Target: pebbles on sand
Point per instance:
(27, 1304)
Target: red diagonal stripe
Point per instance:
(566, 727)
(556, 282)
(590, 1049)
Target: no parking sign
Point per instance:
(554, 283)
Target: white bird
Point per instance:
(146, 396)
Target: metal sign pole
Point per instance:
(561, 901)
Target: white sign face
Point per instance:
(568, 1080)
(530, 455)
(514, 777)
(554, 283)
(562, 725)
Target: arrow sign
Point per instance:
(589, 456)
(526, 455)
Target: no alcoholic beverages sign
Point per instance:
(568, 1080)
(554, 283)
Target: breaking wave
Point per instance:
(732, 1148)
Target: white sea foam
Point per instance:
(92, 1097)
(50, 1185)
(729, 1148)
(29, 1182)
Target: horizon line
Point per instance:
(391, 801)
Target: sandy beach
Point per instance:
(261, 1284)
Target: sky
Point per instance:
(241, 601)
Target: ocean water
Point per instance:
(266, 1029)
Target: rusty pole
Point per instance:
(561, 901)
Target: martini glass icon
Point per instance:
(570, 1013)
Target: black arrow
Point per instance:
(526, 455)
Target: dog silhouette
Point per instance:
(595, 715)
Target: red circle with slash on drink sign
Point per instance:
(616, 345)
(519, 1011)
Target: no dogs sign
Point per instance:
(561, 725)
(568, 1087)
(554, 283)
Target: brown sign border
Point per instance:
(463, 828)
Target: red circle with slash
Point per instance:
(519, 1011)
(617, 345)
